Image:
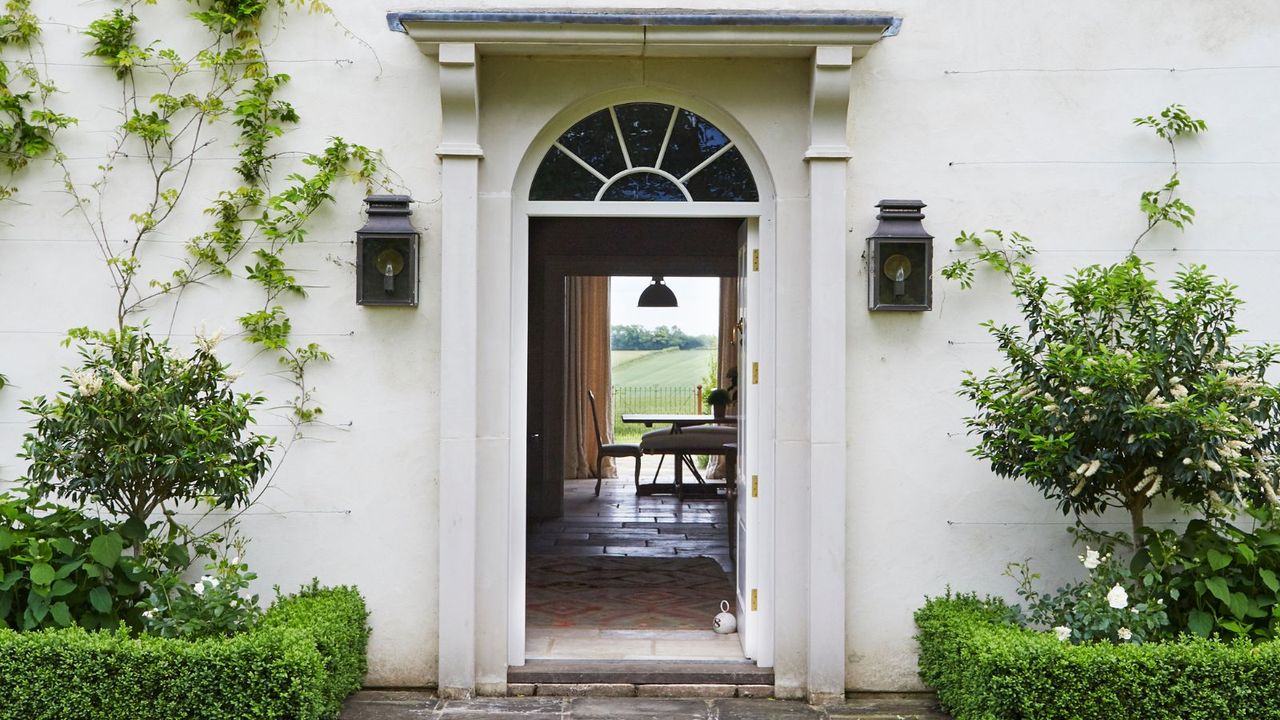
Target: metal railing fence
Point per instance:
(650, 399)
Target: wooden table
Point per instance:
(677, 422)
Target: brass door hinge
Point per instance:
(755, 605)
(755, 373)
(755, 260)
(755, 486)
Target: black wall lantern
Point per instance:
(900, 259)
(387, 253)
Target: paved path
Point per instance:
(410, 705)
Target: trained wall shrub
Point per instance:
(299, 663)
(986, 669)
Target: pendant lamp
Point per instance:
(657, 295)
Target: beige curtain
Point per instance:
(726, 353)
(586, 368)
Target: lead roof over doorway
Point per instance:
(653, 33)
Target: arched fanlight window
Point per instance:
(644, 152)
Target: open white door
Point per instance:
(753, 563)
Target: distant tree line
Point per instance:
(636, 337)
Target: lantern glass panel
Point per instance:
(901, 274)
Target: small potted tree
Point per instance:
(718, 399)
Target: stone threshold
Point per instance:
(684, 701)
(640, 673)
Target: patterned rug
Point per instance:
(627, 593)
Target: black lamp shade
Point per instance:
(657, 295)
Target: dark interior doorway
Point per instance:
(564, 247)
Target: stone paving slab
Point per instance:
(422, 705)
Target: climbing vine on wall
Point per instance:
(174, 104)
(179, 101)
(27, 124)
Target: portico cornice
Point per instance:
(668, 33)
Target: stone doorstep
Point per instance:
(664, 690)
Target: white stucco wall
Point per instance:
(996, 114)
(938, 115)
(356, 503)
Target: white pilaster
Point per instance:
(460, 155)
(828, 156)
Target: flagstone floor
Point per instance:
(628, 577)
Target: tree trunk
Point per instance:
(1135, 516)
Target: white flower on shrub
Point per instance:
(149, 614)
(1090, 559)
(124, 384)
(198, 587)
(1124, 634)
(87, 383)
(206, 341)
(1118, 598)
(1062, 632)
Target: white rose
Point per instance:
(1118, 598)
(1062, 632)
(197, 588)
(1091, 559)
(1124, 634)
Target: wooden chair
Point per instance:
(613, 450)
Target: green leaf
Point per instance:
(63, 545)
(1247, 553)
(1239, 604)
(61, 614)
(42, 574)
(100, 599)
(65, 570)
(1200, 623)
(62, 587)
(106, 548)
(1218, 560)
(1218, 586)
(38, 606)
(7, 538)
(1235, 627)
(11, 578)
(134, 529)
(1269, 579)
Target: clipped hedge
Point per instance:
(299, 663)
(986, 669)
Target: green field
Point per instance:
(670, 368)
(655, 381)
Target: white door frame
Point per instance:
(482, 457)
(761, 237)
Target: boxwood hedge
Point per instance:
(986, 669)
(300, 662)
